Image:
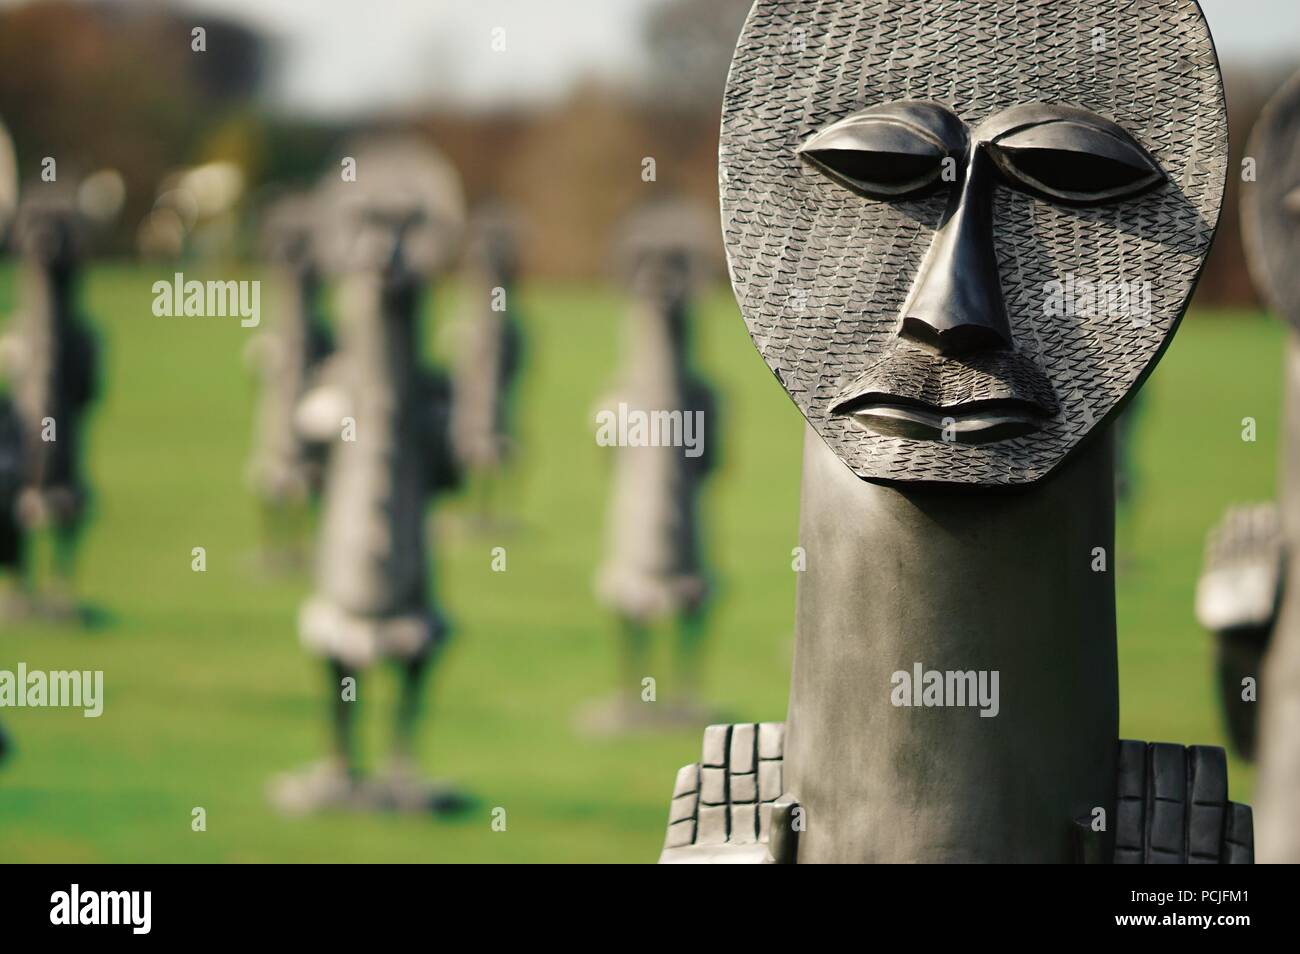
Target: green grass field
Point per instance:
(208, 694)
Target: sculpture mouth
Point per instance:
(983, 423)
(978, 399)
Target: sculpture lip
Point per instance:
(979, 398)
(977, 422)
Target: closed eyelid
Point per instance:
(932, 122)
(887, 151)
(1069, 154)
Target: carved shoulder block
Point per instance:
(1172, 808)
(723, 806)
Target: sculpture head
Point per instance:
(667, 250)
(1271, 204)
(49, 232)
(403, 216)
(962, 234)
(56, 222)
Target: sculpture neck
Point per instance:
(380, 332)
(974, 766)
(656, 347)
(47, 293)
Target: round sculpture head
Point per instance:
(667, 249)
(55, 222)
(961, 234)
(405, 210)
(49, 229)
(1271, 206)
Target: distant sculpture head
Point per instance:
(666, 250)
(404, 213)
(55, 222)
(961, 235)
(49, 232)
(1271, 205)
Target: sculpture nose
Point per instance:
(956, 306)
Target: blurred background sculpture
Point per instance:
(654, 568)
(285, 470)
(49, 356)
(387, 419)
(955, 681)
(1249, 594)
(489, 355)
(1237, 600)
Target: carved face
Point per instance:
(1271, 206)
(962, 234)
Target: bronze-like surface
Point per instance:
(825, 274)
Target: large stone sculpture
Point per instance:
(921, 203)
(285, 469)
(654, 568)
(1249, 595)
(489, 357)
(50, 361)
(387, 418)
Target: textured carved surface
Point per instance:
(1271, 207)
(920, 376)
(822, 273)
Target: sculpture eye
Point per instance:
(1080, 160)
(887, 152)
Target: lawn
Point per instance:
(208, 694)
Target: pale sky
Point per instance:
(347, 56)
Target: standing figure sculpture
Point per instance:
(50, 360)
(654, 568)
(286, 469)
(388, 420)
(929, 181)
(1249, 594)
(489, 353)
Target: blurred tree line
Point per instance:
(99, 84)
